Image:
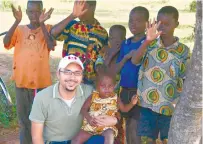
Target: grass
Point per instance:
(8, 116)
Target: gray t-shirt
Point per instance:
(61, 122)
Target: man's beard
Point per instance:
(70, 90)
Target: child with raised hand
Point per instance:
(31, 71)
(163, 60)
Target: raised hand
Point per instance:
(45, 16)
(17, 13)
(78, 9)
(151, 29)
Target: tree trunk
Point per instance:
(185, 127)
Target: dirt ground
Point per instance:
(9, 136)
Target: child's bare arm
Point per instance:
(127, 107)
(85, 111)
(78, 11)
(120, 65)
(138, 54)
(85, 108)
(111, 53)
(18, 17)
(49, 40)
(43, 17)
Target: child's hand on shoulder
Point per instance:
(129, 55)
(134, 99)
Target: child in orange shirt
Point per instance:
(32, 44)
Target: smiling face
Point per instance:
(70, 77)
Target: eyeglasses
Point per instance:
(69, 72)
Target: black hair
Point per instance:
(104, 71)
(39, 2)
(91, 2)
(119, 27)
(169, 10)
(142, 10)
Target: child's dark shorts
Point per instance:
(151, 123)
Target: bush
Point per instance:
(6, 4)
(193, 6)
(189, 38)
(8, 116)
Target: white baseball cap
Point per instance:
(64, 62)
